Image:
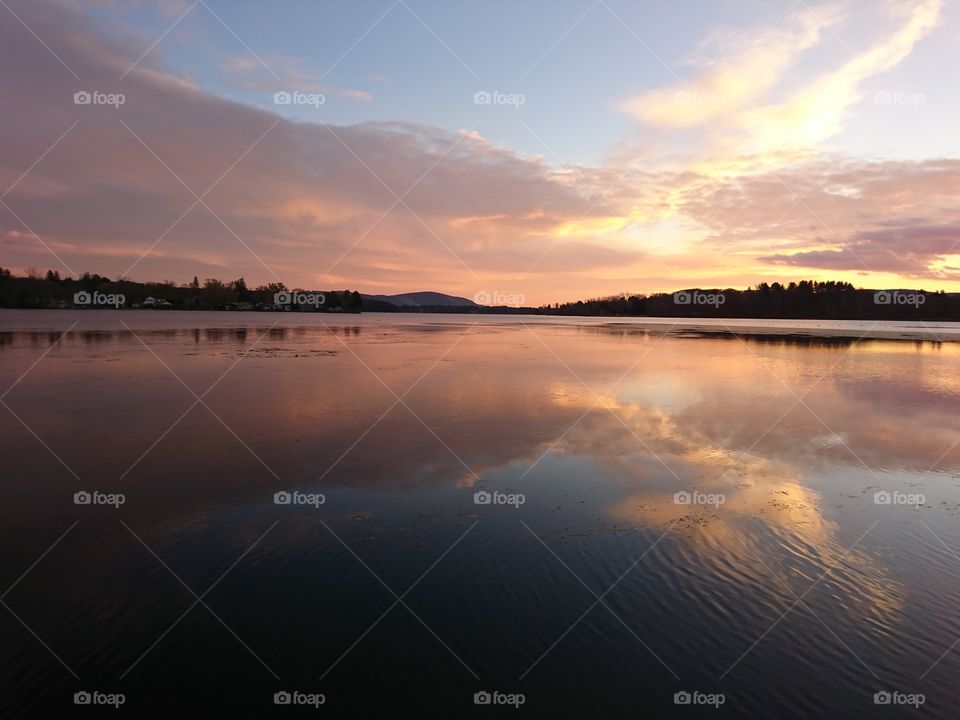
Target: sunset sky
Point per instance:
(627, 147)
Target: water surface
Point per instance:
(798, 595)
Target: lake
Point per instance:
(591, 517)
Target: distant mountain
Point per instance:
(422, 299)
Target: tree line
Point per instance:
(807, 299)
(51, 290)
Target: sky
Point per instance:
(531, 152)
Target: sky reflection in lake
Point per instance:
(784, 585)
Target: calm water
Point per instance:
(785, 585)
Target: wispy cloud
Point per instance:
(750, 98)
(736, 70)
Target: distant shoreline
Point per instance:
(799, 330)
(495, 311)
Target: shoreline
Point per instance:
(26, 320)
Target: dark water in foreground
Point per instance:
(797, 593)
